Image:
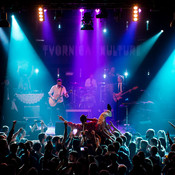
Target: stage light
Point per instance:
(59, 26)
(81, 10)
(135, 13)
(97, 10)
(36, 70)
(162, 31)
(147, 25)
(3, 21)
(41, 14)
(87, 21)
(148, 73)
(102, 14)
(104, 76)
(135, 7)
(104, 30)
(127, 25)
(126, 74)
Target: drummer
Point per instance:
(91, 83)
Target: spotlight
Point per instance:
(147, 25)
(41, 14)
(3, 21)
(135, 13)
(127, 24)
(97, 10)
(81, 10)
(162, 31)
(126, 74)
(104, 76)
(59, 26)
(104, 30)
(87, 22)
(36, 70)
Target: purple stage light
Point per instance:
(45, 10)
(97, 10)
(81, 10)
(140, 10)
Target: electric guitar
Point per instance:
(118, 96)
(53, 102)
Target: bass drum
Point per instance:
(87, 101)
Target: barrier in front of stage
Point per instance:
(73, 115)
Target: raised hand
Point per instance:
(61, 118)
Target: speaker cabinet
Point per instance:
(31, 111)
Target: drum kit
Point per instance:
(86, 97)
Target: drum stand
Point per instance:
(50, 122)
(127, 119)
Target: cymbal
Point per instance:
(102, 82)
(74, 83)
(147, 102)
(130, 103)
(81, 87)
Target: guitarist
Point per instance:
(119, 88)
(56, 93)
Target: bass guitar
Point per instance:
(53, 102)
(118, 96)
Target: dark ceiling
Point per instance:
(71, 4)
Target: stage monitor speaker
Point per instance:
(31, 111)
(59, 128)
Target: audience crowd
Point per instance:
(93, 147)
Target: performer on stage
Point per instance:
(56, 100)
(112, 78)
(120, 85)
(89, 98)
(10, 109)
(91, 82)
(118, 98)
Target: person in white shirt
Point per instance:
(91, 82)
(89, 98)
(56, 100)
